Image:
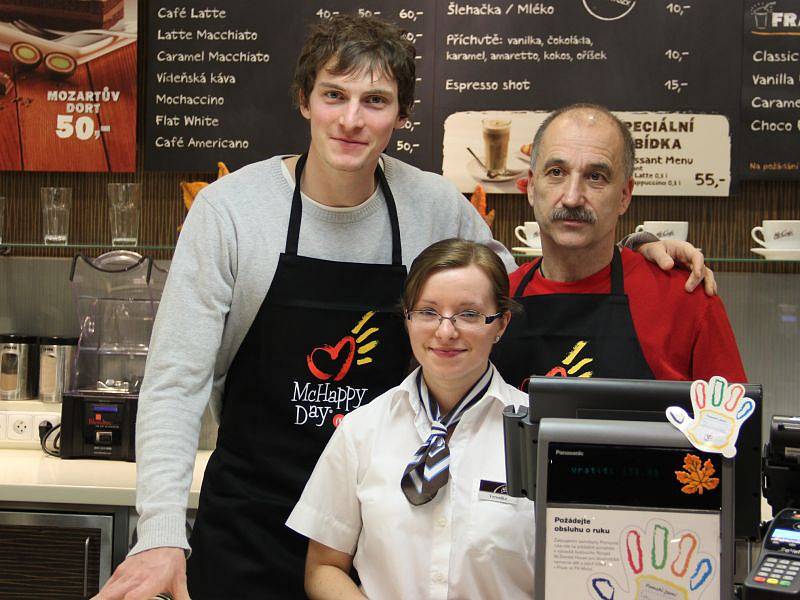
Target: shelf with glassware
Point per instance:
(778, 241)
(124, 211)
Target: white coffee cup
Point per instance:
(529, 234)
(777, 234)
(666, 230)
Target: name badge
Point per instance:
(495, 491)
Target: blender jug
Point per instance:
(116, 296)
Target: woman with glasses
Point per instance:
(410, 490)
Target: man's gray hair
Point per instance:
(628, 148)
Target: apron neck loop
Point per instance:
(293, 234)
(296, 215)
(617, 281)
(537, 264)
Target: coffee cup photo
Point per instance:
(777, 234)
(529, 234)
(666, 230)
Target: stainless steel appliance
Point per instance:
(116, 296)
(55, 366)
(18, 362)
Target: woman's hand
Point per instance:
(143, 575)
(328, 574)
(666, 252)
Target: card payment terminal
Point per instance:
(777, 574)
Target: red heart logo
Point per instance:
(333, 352)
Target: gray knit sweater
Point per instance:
(221, 270)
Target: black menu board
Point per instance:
(218, 75)
(770, 119)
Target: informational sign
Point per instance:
(676, 154)
(628, 554)
(68, 86)
(219, 75)
(771, 90)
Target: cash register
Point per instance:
(626, 508)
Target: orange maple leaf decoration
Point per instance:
(696, 476)
(191, 188)
(478, 200)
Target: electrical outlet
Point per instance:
(38, 418)
(19, 427)
(2, 426)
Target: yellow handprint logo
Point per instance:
(567, 368)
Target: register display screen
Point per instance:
(785, 535)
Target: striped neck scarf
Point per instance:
(429, 469)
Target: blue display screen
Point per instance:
(785, 535)
(108, 408)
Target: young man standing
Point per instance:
(279, 309)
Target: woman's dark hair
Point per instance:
(357, 43)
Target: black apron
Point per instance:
(326, 340)
(572, 335)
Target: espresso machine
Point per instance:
(116, 296)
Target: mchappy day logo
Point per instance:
(569, 367)
(316, 401)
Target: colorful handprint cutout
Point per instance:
(658, 566)
(719, 410)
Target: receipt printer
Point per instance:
(777, 571)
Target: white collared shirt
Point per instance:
(462, 544)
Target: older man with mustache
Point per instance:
(591, 309)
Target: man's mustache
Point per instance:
(578, 213)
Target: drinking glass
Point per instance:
(125, 201)
(56, 206)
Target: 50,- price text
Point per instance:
(82, 127)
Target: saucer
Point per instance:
(778, 253)
(478, 172)
(527, 250)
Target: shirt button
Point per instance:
(438, 577)
(441, 522)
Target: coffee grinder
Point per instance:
(116, 296)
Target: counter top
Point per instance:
(32, 476)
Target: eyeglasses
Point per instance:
(466, 319)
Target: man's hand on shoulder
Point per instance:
(665, 253)
(143, 575)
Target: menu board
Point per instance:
(770, 82)
(660, 57)
(219, 76)
(68, 91)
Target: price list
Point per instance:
(770, 118)
(660, 58)
(219, 77)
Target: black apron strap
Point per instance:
(520, 291)
(617, 280)
(296, 215)
(293, 233)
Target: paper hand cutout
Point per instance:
(719, 410)
(658, 564)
